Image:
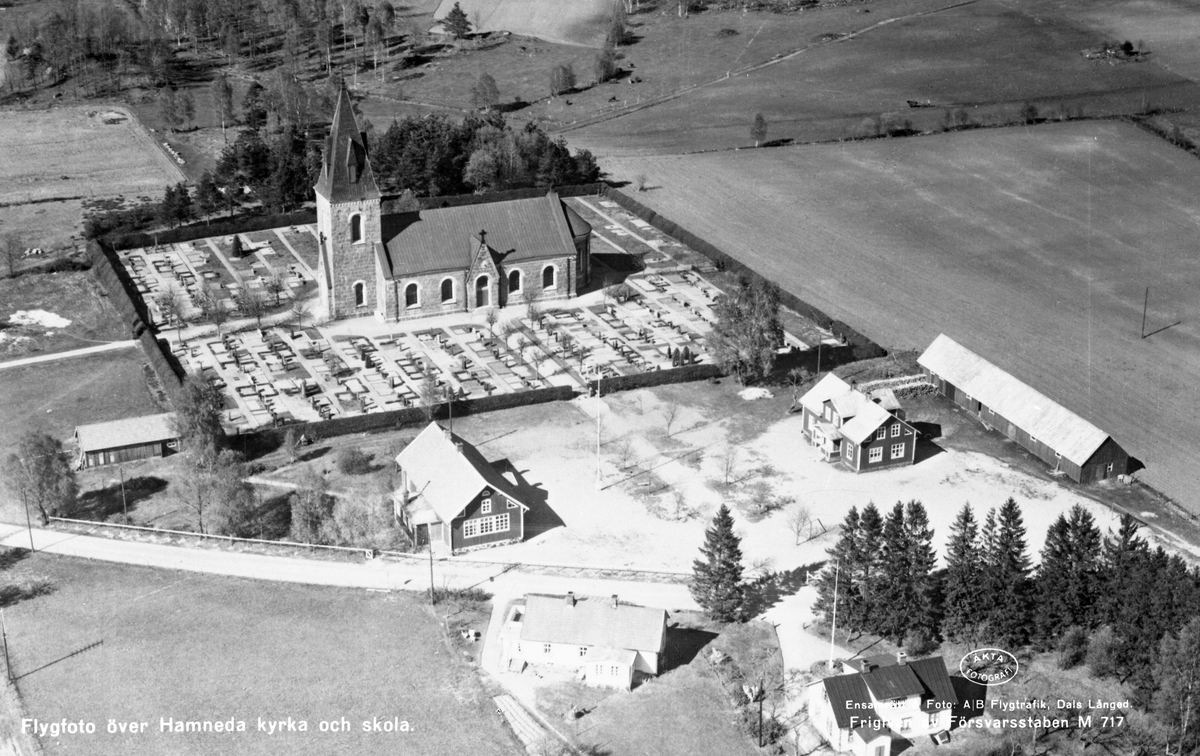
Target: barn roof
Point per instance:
(130, 431)
(593, 621)
(870, 416)
(828, 387)
(447, 472)
(345, 170)
(446, 238)
(1030, 410)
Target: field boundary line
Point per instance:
(83, 352)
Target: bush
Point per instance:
(355, 461)
(562, 79)
(1072, 648)
(1102, 652)
(1029, 113)
(918, 643)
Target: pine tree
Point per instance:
(1008, 577)
(457, 23)
(717, 577)
(907, 562)
(865, 573)
(963, 593)
(1068, 576)
(843, 555)
(1121, 550)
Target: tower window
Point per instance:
(360, 294)
(548, 277)
(355, 228)
(410, 295)
(448, 290)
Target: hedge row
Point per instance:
(119, 287)
(170, 373)
(863, 347)
(459, 200)
(194, 231)
(657, 378)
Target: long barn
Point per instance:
(1048, 430)
(126, 440)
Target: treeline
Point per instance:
(1111, 601)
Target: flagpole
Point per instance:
(833, 627)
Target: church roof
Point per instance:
(345, 170)
(447, 238)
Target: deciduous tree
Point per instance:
(717, 575)
(40, 472)
(758, 129)
(485, 95)
(197, 419)
(747, 331)
(1176, 704)
(312, 507)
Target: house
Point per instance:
(432, 262)
(451, 498)
(126, 440)
(605, 641)
(880, 698)
(862, 431)
(1048, 430)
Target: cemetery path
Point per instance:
(68, 355)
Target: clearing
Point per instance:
(1022, 244)
(46, 313)
(55, 159)
(197, 647)
(578, 22)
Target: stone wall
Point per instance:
(351, 261)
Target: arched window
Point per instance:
(410, 295)
(514, 281)
(482, 295)
(448, 290)
(548, 277)
(355, 228)
(360, 293)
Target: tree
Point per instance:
(254, 110)
(290, 445)
(208, 196)
(800, 523)
(222, 95)
(275, 285)
(615, 37)
(299, 311)
(10, 247)
(312, 507)
(907, 564)
(168, 108)
(485, 95)
(717, 576)
(853, 571)
(963, 594)
(1007, 577)
(212, 308)
(747, 331)
(170, 303)
(234, 507)
(562, 79)
(1068, 577)
(670, 411)
(252, 304)
(197, 420)
(187, 107)
(457, 23)
(40, 472)
(182, 208)
(1177, 675)
(606, 64)
(431, 395)
(758, 129)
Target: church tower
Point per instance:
(348, 219)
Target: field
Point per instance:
(1024, 244)
(60, 157)
(577, 22)
(1168, 27)
(986, 57)
(199, 647)
(72, 296)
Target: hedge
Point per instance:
(228, 227)
(657, 378)
(863, 347)
(459, 200)
(170, 373)
(118, 286)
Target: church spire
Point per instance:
(345, 168)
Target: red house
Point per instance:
(861, 431)
(450, 495)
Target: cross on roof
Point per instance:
(482, 236)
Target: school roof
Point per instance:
(447, 238)
(447, 473)
(848, 697)
(870, 416)
(825, 389)
(932, 674)
(1032, 411)
(131, 431)
(593, 621)
(345, 170)
(851, 694)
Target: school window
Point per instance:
(876, 454)
(583, 650)
(828, 414)
(895, 430)
(933, 720)
(471, 529)
(614, 671)
(486, 506)
(512, 504)
(897, 451)
(486, 526)
(879, 750)
(906, 724)
(881, 434)
(545, 648)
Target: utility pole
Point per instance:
(429, 532)
(599, 407)
(4, 635)
(28, 522)
(124, 503)
(1145, 305)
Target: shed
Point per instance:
(126, 440)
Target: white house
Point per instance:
(607, 642)
(879, 698)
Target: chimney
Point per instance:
(614, 601)
(458, 447)
(446, 432)
(901, 658)
(853, 384)
(570, 597)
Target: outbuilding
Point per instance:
(126, 440)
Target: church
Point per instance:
(405, 265)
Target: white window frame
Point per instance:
(471, 529)
(354, 293)
(554, 277)
(362, 237)
(1111, 466)
(881, 433)
(897, 451)
(485, 506)
(545, 648)
(415, 304)
(583, 650)
(453, 291)
(482, 526)
(875, 454)
(512, 504)
(933, 720)
(896, 430)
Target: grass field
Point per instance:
(65, 155)
(578, 22)
(987, 57)
(1032, 246)
(198, 647)
(71, 295)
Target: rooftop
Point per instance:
(593, 621)
(131, 431)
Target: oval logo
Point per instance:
(989, 666)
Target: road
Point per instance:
(85, 351)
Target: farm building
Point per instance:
(1050, 431)
(451, 498)
(606, 641)
(880, 698)
(861, 431)
(126, 440)
(432, 262)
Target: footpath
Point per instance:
(85, 351)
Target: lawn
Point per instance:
(986, 57)
(197, 647)
(73, 296)
(1024, 227)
